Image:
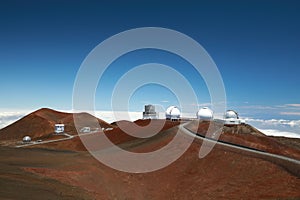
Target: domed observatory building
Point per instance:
(149, 112)
(232, 118)
(26, 139)
(173, 113)
(205, 114)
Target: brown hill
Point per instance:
(35, 125)
(118, 134)
(120, 122)
(41, 123)
(246, 135)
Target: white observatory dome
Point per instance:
(205, 114)
(231, 114)
(173, 113)
(26, 139)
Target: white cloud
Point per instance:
(272, 132)
(110, 116)
(257, 107)
(277, 127)
(290, 113)
(9, 117)
(293, 105)
(291, 123)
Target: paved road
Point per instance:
(68, 137)
(188, 132)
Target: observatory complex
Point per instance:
(173, 113)
(149, 112)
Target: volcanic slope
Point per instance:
(225, 173)
(247, 136)
(41, 123)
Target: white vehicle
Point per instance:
(85, 130)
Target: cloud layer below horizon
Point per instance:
(9, 117)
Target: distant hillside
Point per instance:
(41, 123)
(248, 136)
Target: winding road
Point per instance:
(68, 137)
(190, 133)
(187, 132)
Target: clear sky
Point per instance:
(255, 44)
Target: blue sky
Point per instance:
(255, 44)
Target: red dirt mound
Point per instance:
(41, 123)
(34, 125)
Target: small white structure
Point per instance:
(149, 112)
(205, 114)
(85, 130)
(173, 113)
(232, 118)
(107, 129)
(59, 128)
(26, 139)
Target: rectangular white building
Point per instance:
(59, 128)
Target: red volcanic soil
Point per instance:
(118, 135)
(225, 173)
(125, 130)
(41, 123)
(16, 183)
(246, 135)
